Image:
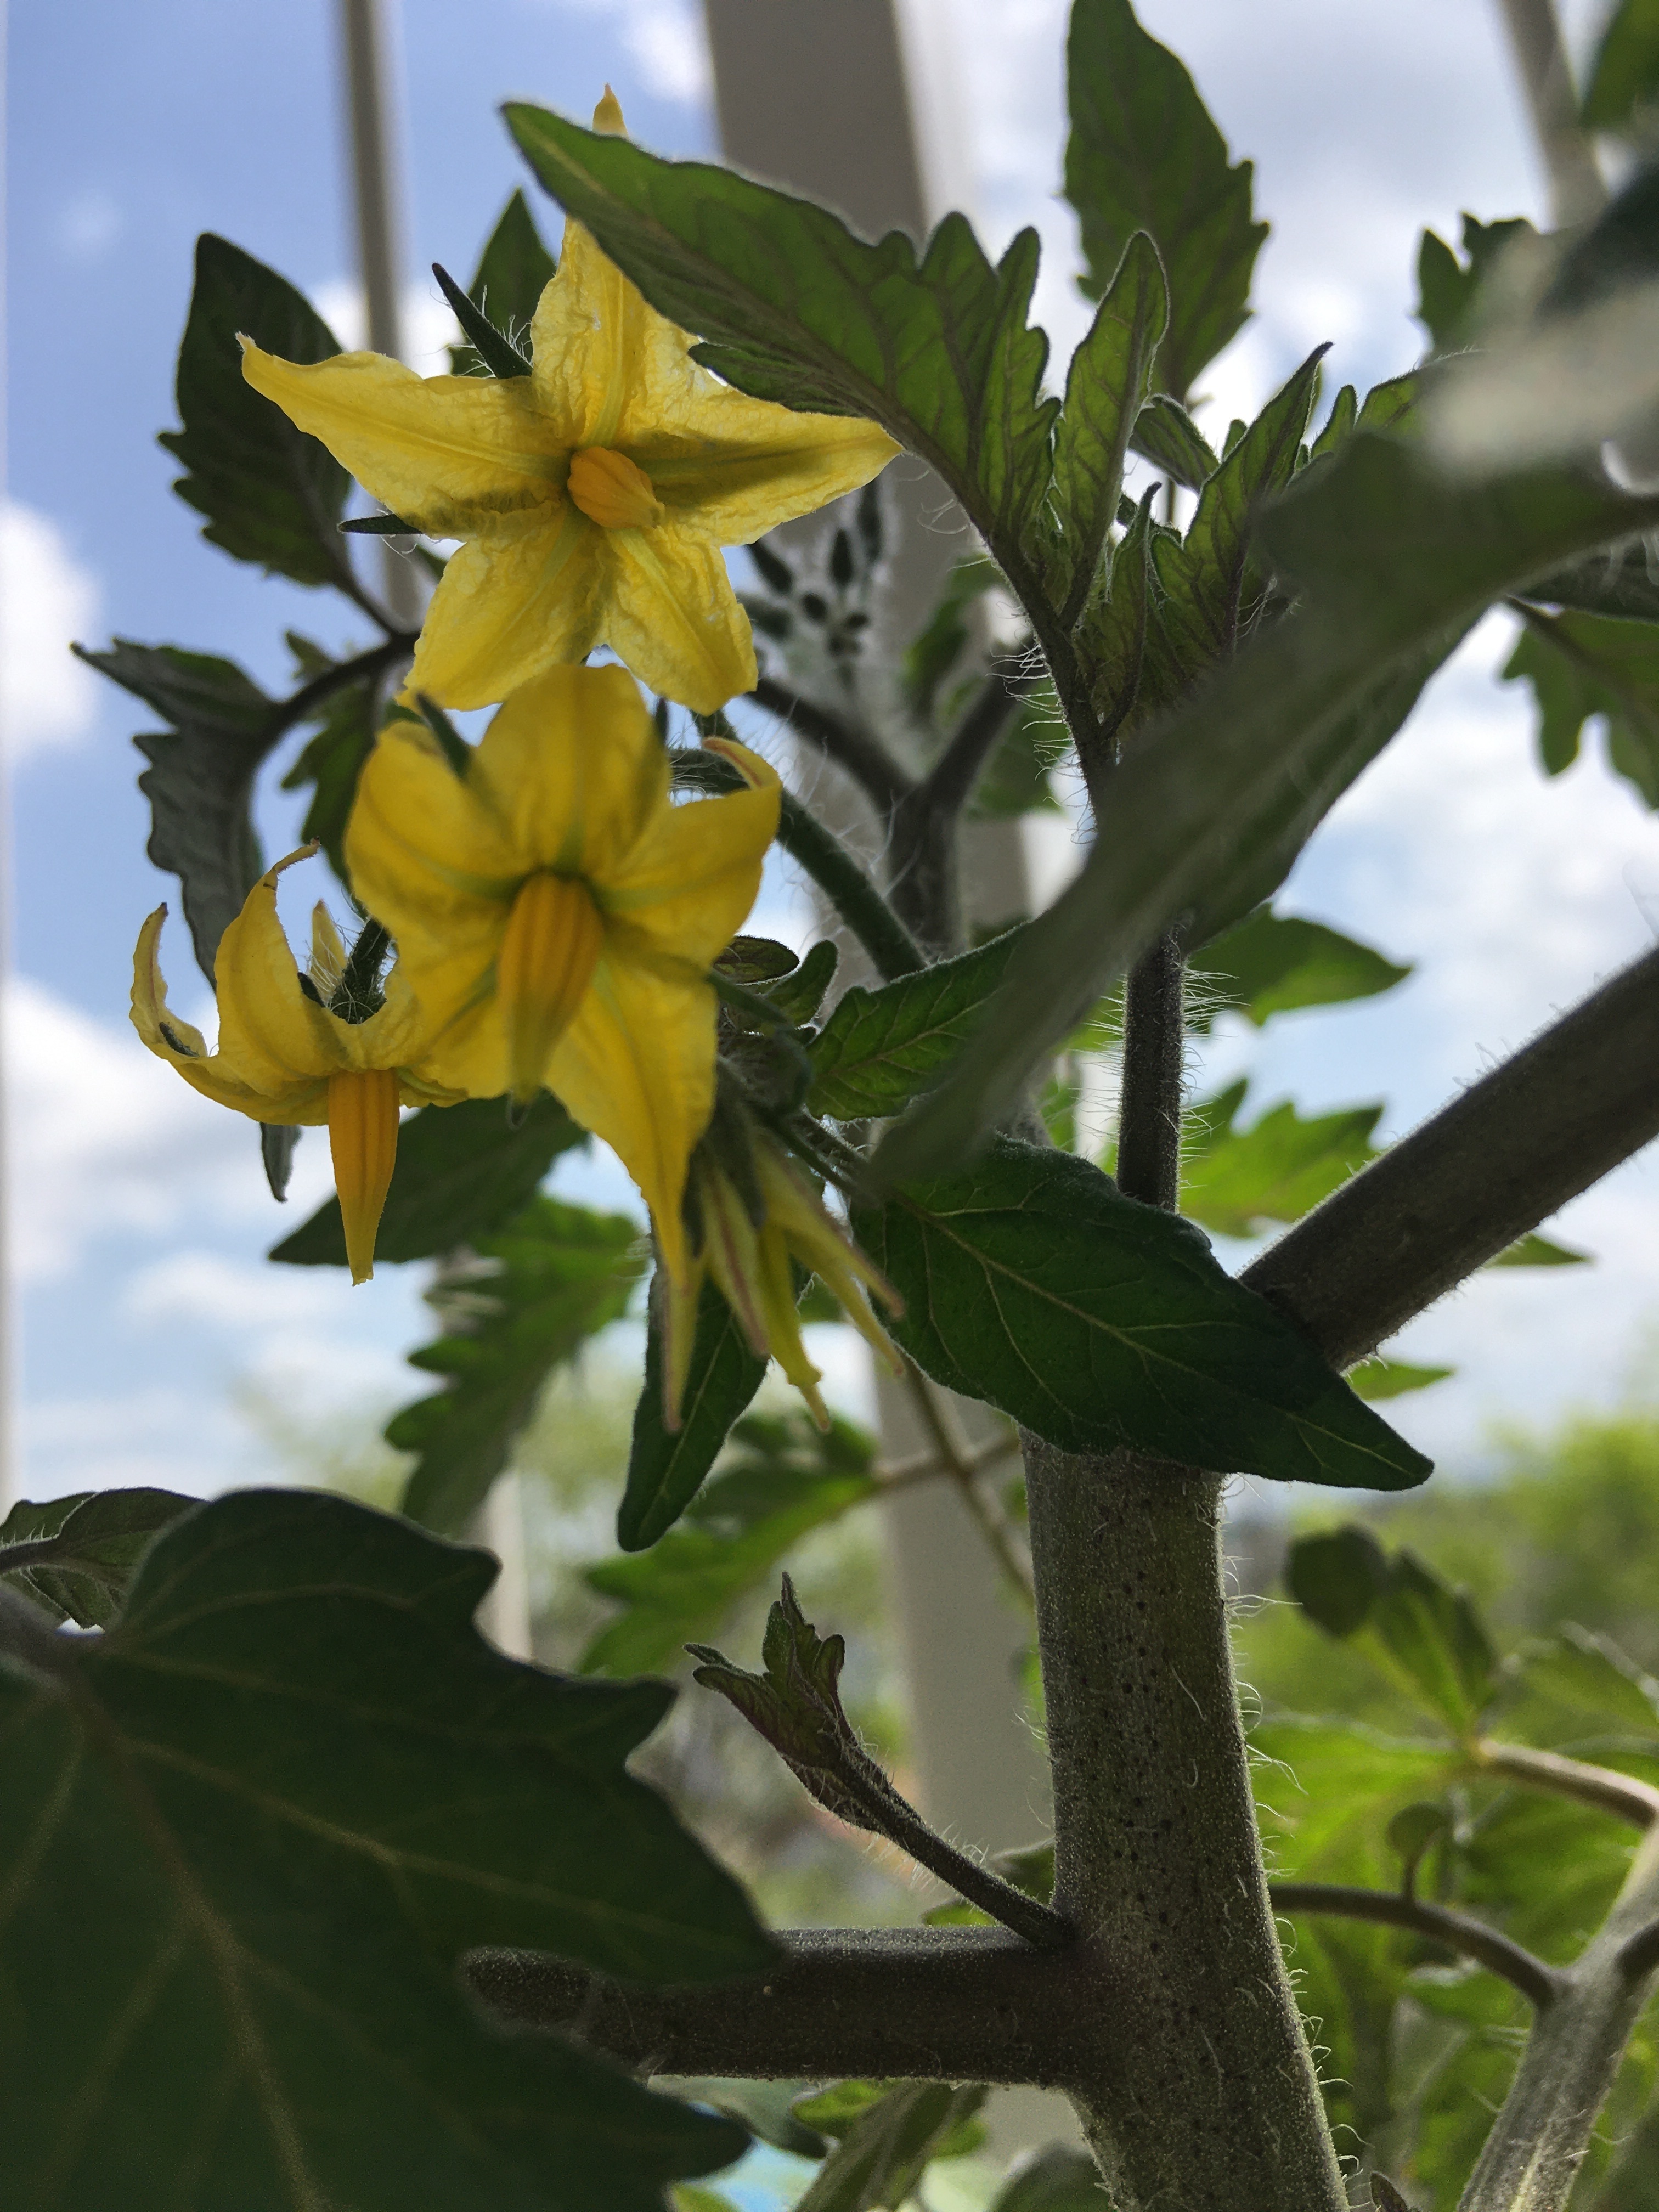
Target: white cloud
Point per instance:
(48, 697)
(429, 326)
(666, 41)
(89, 224)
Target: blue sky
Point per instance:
(139, 1216)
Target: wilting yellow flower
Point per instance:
(557, 916)
(594, 494)
(285, 1055)
(751, 1264)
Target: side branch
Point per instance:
(1538, 1983)
(1510, 1153)
(847, 744)
(1625, 1795)
(956, 2004)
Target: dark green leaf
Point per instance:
(1623, 581)
(1535, 1251)
(1276, 1170)
(1101, 1323)
(565, 1273)
(1624, 78)
(1396, 564)
(1448, 289)
(793, 307)
(1271, 964)
(888, 2132)
(780, 1479)
(882, 1047)
(666, 1467)
(79, 1552)
(1166, 435)
(200, 781)
(269, 493)
(1427, 1637)
(1392, 1378)
(1581, 665)
(798, 995)
(512, 274)
(462, 1171)
(1105, 385)
(264, 1816)
(331, 763)
(1144, 155)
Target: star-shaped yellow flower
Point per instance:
(752, 1262)
(594, 494)
(293, 1048)
(556, 915)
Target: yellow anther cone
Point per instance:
(550, 948)
(613, 491)
(362, 1138)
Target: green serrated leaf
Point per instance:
(1396, 564)
(512, 273)
(1100, 1323)
(1532, 1250)
(1271, 964)
(798, 995)
(1144, 155)
(1582, 666)
(263, 1816)
(200, 781)
(1427, 1638)
(565, 1273)
(1376, 1379)
(883, 1047)
(780, 1480)
(793, 307)
(462, 1172)
(270, 494)
(888, 2133)
(1449, 290)
(666, 1467)
(1107, 379)
(74, 1556)
(1278, 1169)
(331, 763)
(1165, 435)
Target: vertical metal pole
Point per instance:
(368, 41)
(10, 1364)
(820, 100)
(1578, 194)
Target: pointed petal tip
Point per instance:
(608, 116)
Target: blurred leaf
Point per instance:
(938, 645)
(1581, 665)
(1271, 964)
(565, 1273)
(887, 2136)
(1590, 1676)
(200, 781)
(81, 1550)
(1377, 1378)
(1448, 289)
(1165, 435)
(1053, 2180)
(507, 284)
(461, 1172)
(1101, 1323)
(1211, 809)
(1144, 155)
(1428, 1637)
(1623, 581)
(793, 307)
(1624, 77)
(666, 1467)
(1278, 1169)
(780, 1479)
(1016, 780)
(332, 762)
(799, 994)
(766, 2107)
(1532, 1250)
(264, 1816)
(269, 493)
(1327, 1789)
(883, 1046)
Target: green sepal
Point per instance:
(493, 348)
(666, 1467)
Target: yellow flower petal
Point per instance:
(590, 335)
(270, 1032)
(508, 610)
(672, 615)
(362, 1142)
(686, 889)
(636, 1066)
(573, 768)
(429, 857)
(728, 468)
(457, 456)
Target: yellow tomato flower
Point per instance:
(284, 1055)
(752, 1265)
(594, 494)
(557, 916)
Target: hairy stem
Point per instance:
(1624, 1796)
(1537, 1983)
(1200, 2091)
(839, 738)
(1148, 1114)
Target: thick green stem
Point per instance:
(1200, 2093)
(1537, 2142)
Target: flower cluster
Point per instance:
(554, 914)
